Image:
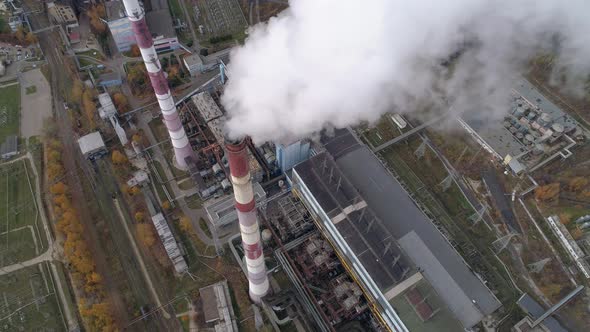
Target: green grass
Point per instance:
(193, 202)
(28, 296)
(9, 111)
(204, 226)
(90, 53)
(30, 89)
(175, 9)
(17, 210)
(186, 184)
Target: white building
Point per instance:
(92, 146)
(193, 63)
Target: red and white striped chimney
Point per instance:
(246, 208)
(143, 37)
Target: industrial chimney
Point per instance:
(246, 208)
(143, 37)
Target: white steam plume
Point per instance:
(338, 62)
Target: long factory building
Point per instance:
(386, 242)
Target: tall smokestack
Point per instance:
(246, 208)
(182, 148)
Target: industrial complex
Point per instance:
(157, 218)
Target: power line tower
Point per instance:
(502, 242)
(420, 151)
(538, 266)
(477, 216)
(447, 182)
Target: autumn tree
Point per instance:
(139, 216)
(31, 38)
(118, 158)
(577, 233)
(547, 192)
(185, 225)
(20, 34)
(58, 188)
(166, 205)
(134, 51)
(77, 90)
(577, 184)
(96, 13)
(134, 190)
(145, 233)
(89, 106)
(120, 101)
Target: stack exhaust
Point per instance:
(246, 209)
(143, 37)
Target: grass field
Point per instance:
(28, 301)
(9, 110)
(20, 238)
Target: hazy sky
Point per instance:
(338, 62)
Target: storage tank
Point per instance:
(217, 169)
(519, 112)
(266, 235)
(557, 128)
(519, 135)
(529, 138)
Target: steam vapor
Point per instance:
(324, 63)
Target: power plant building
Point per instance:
(388, 244)
(289, 155)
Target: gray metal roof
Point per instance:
(91, 143)
(535, 310)
(391, 204)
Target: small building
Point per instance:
(92, 146)
(207, 106)
(110, 79)
(169, 242)
(9, 148)
(14, 22)
(534, 310)
(119, 25)
(139, 177)
(193, 63)
(107, 108)
(222, 212)
(217, 307)
(66, 17)
(289, 155)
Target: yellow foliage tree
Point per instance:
(166, 205)
(134, 190)
(577, 184)
(89, 106)
(58, 188)
(185, 225)
(31, 38)
(139, 216)
(77, 90)
(118, 158)
(120, 102)
(548, 192)
(145, 233)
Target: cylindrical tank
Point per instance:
(557, 128)
(519, 112)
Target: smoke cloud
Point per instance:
(335, 63)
